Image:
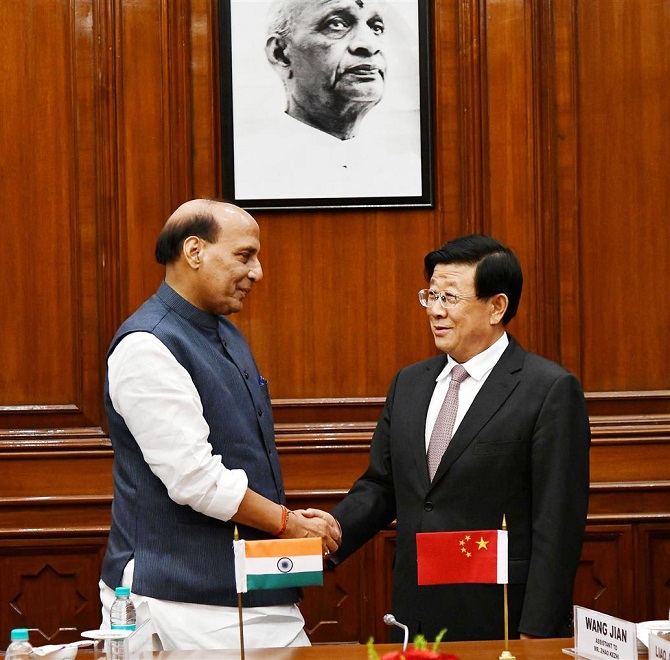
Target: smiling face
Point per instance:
(472, 324)
(333, 55)
(228, 267)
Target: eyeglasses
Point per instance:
(427, 298)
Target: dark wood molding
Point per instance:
(472, 91)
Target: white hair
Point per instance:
(280, 17)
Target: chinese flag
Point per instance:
(460, 557)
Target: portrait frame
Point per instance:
(264, 167)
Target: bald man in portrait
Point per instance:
(329, 55)
(331, 58)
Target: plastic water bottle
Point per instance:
(20, 648)
(122, 616)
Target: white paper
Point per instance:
(659, 648)
(599, 636)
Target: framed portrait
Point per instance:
(326, 103)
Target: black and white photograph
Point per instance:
(326, 103)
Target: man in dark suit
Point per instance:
(519, 447)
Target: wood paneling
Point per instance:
(355, 293)
(48, 254)
(548, 132)
(50, 586)
(604, 580)
(614, 103)
(653, 588)
(333, 611)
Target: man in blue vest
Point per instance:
(194, 450)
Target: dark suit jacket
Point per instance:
(521, 450)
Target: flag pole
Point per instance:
(236, 537)
(506, 655)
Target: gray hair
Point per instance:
(280, 17)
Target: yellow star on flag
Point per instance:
(482, 544)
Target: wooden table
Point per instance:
(530, 649)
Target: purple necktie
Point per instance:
(444, 424)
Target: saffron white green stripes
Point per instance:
(277, 563)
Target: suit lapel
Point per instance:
(501, 382)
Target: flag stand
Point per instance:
(506, 655)
(236, 537)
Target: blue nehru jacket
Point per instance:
(180, 554)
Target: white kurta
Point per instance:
(160, 405)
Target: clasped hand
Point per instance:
(306, 523)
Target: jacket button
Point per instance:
(428, 506)
(246, 375)
(260, 413)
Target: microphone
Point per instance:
(390, 620)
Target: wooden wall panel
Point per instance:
(653, 588)
(144, 115)
(548, 133)
(53, 582)
(50, 371)
(604, 580)
(620, 60)
(204, 97)
(332, 612)
(31, 370)
(509, 168)
(337, 313)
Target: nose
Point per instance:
(436, 310)
(364, 40)
(255, 270)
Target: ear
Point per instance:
(191, 251)
(499, 304)
(276, 50)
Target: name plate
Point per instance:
(140, 641)
(599, 636)
(659, 648)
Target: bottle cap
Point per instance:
(19, 635)
(123, 591)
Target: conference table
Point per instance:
(528, 649)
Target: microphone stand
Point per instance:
(390, 620)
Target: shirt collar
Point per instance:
(478, 366)
(184, 308)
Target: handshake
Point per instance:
(304, 523)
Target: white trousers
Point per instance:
(191, 626)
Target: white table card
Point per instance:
(659, 648)
(140, 640)
(599, 636)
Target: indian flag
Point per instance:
(277, 563)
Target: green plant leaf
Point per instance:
(372, 654)
(439, 637)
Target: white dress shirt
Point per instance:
(479, 367)
(162, 409)
(159, 403)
